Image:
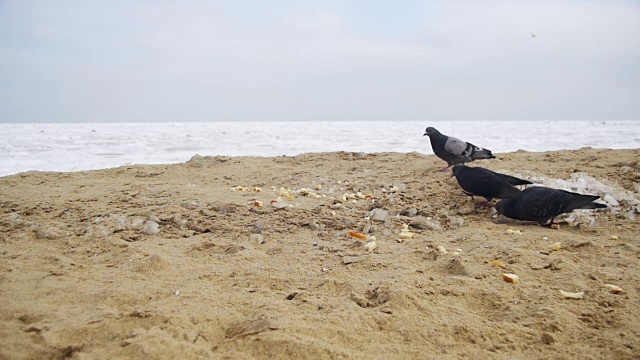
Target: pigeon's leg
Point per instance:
(484, 204)
(550, 224)
(445, 168)
(487, 202)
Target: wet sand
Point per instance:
(178, 261)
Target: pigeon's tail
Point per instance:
(514, 180)
(594, 205)
(482, 154)
(582, 201)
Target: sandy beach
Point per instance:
(271, 257)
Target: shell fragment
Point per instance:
(572, 295)
(555, 246)
(614, 289)
(405, 233)
(371, 246)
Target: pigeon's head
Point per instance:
(457, 169)
(430, 131)
(501, 205)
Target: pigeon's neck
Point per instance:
(438, 140)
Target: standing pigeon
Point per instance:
(453, 150)
(541, 204)
(486, 183)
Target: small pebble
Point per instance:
(279, 204)
(151, 228)
(614, 237)
(190, 204)
(412, 212)
(379, 215)
(359, 156)
(455, 221)
(47, 233)
(257, 238)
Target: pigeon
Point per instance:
(486, 183)
(453, 150)
(543, 204)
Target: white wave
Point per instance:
(89, 146)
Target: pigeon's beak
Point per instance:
(425, 134)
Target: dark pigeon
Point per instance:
(486, 183)
(543, 204)
(453, 150)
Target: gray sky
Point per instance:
(318, 60)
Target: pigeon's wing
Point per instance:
(501, 184)
(484, 182)
(514, 180)
(541, 204)
(457, 147)
(466, 151)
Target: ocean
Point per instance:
(89, 146)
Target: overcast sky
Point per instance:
(318, 60)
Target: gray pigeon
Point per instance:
(486, 183)
(543, 204)
(453, 150)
